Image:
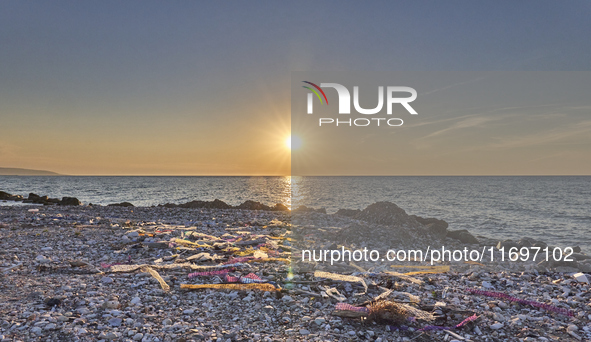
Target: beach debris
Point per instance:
(405, 277)
(334, 293)
(500, 295)
(10, 268)
(157, 276)
(132, 268)
(243, 293)
(51, 302)
(210, 273)
(384, 312)
(340, 277)
(247, 279)
(238, 287)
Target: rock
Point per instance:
(42, 259)
(69, 201)
(348, 212)
(133, 235)
(122, 204)
(215, 204)
(581, 278)
(111, 336)
(5, 196)
(268, 309)
(115, 322)
(106, 280)
(167, 321)
(136, 301)
(51, 302)
(304, 332)
(507, 244)
(138, 337)
(462, 235)
(319, 320)
(496, 326)
(387, 213)
(280, 207)
(436, 226)
(526, 242)
(572, 328)
(111, 304)
(252, 205)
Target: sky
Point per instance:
(196, 88)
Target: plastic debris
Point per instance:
(132, 268)
(238, 287)
(210, 273)
(546, 307)
(247, 279)
(457, 326)
(383, 311)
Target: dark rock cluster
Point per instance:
(36, 199)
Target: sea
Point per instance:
(554, 209)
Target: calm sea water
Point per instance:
(555, 209)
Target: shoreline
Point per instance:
(55, 254)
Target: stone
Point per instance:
(69, 201)
(462, 235)
(507, 244)
(581, 278)
(122, 204)
(106, 280)
(115, 322)
(496, 326)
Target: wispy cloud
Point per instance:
(542, 138)
(453, 85)
(466, 122)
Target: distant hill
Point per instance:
(5, 171)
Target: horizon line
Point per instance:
(330, 175)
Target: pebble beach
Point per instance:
(173, 273)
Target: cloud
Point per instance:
(544, 138)
(465, 122)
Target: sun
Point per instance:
(293, 142)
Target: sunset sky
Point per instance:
(196, 88)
